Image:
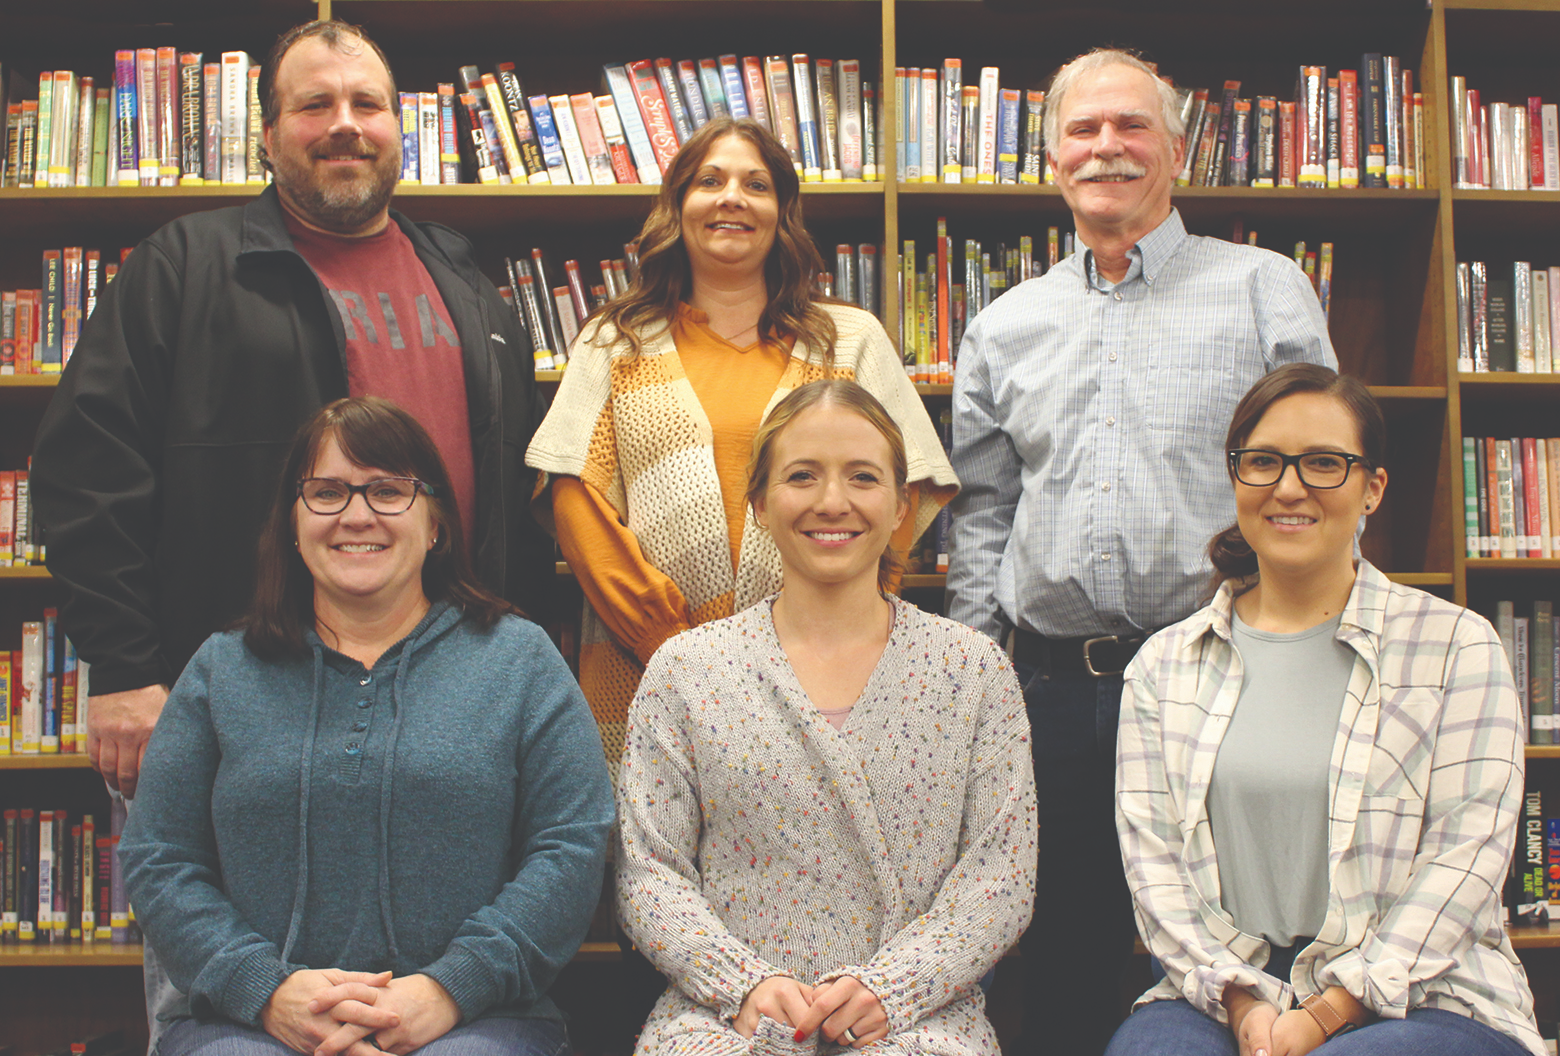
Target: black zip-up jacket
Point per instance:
(156, 461)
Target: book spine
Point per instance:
(1218, 175)
(576, 281)
(7, 522)
(622, 160)
(1413, 172)
(149, 161)
(986, 143)
(50, 346)
(1530, 510)
(926, 136)
(1207, 141)
(1392, 114)
(105, 880)
(950, 119)
(191, 109)
(713, 88)
(1334, 151)
(50, 742)
(777, 78)
(848, 80)
(544, 301)
(692, 95)
(1312, 134)
(44, 150)
(828, 120)
(1522, 315)
(126, 118)
(1542, 449)
(1534, 905)
(166, 70)
(1463, 284)
(10, 863)
(871, 166)
(731, 83)
(1543, 362)
(235, 115)
(1034, 150)
(44, 920)
(666, 76)
(1549, 125)
(1373, 126)
(755, 78)
(1471, 547)
(598, 159)
(449, 144)
(806, 118)
(71, 258)
(88, 878)
(548, 140)
(1007, 135)
(10, 175)
(1479, 321)
(254, 172)
(86, 117)
(1238, 170)
(1505, 499)
(653, 109)
(119, 904)
(620, 87)
(514, 115)
(569, 137)
(411, 145)
(867, 272)
(428, 164)
(1498, 321)
(1348, 128)
(211, 117)
(507, 144)
(487, 171)
(32, 687)
(1462, 171)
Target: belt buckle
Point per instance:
(1088, 661)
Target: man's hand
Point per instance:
(118, 727)
(426, 1010)
(328, 1012)
(845, 1004)
(779, 997)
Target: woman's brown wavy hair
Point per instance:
(790, 273)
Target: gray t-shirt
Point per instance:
(1267, 800)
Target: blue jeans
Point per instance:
(1080, 940)
(484, 1037)
(1175, 1028)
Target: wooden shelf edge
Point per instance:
(1512, 564)
(71, 955)
(1505, 377)
(1408, 392)
(53, 761)
(1421, 579)
(24, 572)
(1542, 751)
(29, 381)
(1534, 936)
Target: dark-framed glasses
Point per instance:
(1322, 470)
(386, 495)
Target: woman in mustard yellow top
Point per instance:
(647, 443)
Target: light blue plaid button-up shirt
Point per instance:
(1088, 430)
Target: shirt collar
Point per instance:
(1148, 255)
(1365, 610)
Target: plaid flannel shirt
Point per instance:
(1425, 786)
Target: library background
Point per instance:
(1438, 290)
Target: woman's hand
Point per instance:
(426, 1011)
(1296, 1033)
(1251, 1021)
(329, 1011)
(781, 998)
(845, 1004)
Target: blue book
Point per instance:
(681, 123)
(51, 684)
(547, 138)
(51, 343)
(714, 93)
(693, 97)
(731, 78)
(490, 134)
(1007, 135)
(806, 118)
(910, 117)
(410, 138)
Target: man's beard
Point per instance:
(341, 204)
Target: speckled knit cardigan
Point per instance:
(757, 840)
(633, 430)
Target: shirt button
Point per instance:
(1111, 357)
(360, 726)
(1117, 295)
(1105, 486)
(1105, 557)
(353, 748)
(365, 703)
(365, 680)
(1111, 420)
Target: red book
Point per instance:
(944, 351)
(571, 271)
(1288, 160)
(597, 157)
(70, 305)
(1533, 513)
(652, 107)
(1492, 481)
(26, 329)
(105, 885)
(1535, 141)
(7, 515)
(757, 94)
(1349, 128)
(611, 125)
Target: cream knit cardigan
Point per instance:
(757, 840)
(632, 428)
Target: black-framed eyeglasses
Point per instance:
(1321, 470)
(386, 495)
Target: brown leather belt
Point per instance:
(1100, 655)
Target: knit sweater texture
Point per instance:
(632, 428)
(446, 812)
(757, 840)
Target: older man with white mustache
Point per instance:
(1089, 407)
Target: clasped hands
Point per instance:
(332, 1012)
(833, 1008)
(1262, 1030)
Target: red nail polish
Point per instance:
(800, 1036)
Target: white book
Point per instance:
(62, 136)
(1507, 508)
(45, 873)
(1521, 636)
(86, 112)
(930, 105)
(621, 88)
(1522, 314)
(1497, 175)
(235, 115)
(573, 148)
(986, 141)
(848, 82)
(428, 137)
(1521, 149)
(32, 689)
(1545, 524)
(1549, 120)
(1542, 357)
(1461, 171)
(83, 696)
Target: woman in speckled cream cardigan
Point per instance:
(826, 809)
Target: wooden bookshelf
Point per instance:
(72, 955)
(59, 761)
